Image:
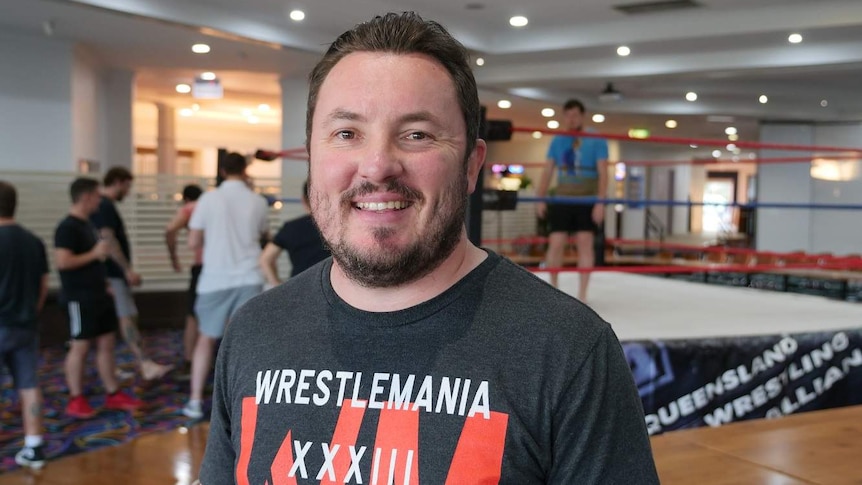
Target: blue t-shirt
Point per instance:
(577, 163)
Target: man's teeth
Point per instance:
(379, 206)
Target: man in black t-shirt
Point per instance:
(121, 276)
(79, 255)
(301, 240)
(23, 287)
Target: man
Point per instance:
(302, 241)
(79, 256)
(581, 164)
(191, 193)
(228, 223)
(411, 341)
(23, 287)
(121, 276)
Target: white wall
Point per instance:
(35, 104)
(88, 109)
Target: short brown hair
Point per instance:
(8, 199)
(404, 33)
(234, 164)
(574, 104)
(117, 174)
(81, 186)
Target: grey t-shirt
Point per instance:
(500, 379)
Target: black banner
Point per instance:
(715, 381)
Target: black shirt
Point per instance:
(22, 267)
(86, 282)
(107, 216)
(303, 243)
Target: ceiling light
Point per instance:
(824, 103)
(731, 147)
(733, 137)
(548, 112)
(670, 124)
(639, 133)
(263, 107)
(553, 124)
(504, 104)
(480, 61)
(598, 118)
(716, 153)
(794, 38)
(537, 135)
(200, 48)
(196, 106)
(208, 76)
(253, 120)
(297, 15)
(518, 21)
(763, 99)
(246, 112)
(186, 112)
(693, 145)
(730, 130)
(691, 96)
(183, 88)
(623, 51)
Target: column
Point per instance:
(166, 149)
(294, 96)
(120, 90)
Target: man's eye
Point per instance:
(345, 135)
(417, 135)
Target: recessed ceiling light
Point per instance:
(598, 118)
(693, 145)
(731, 147)
(730, 130)
(623, 51)
(733, 137)
(518, 21)
(504, 104)
(186, 112)
(537, 134)
(716, 153)
(208, 76)
(200, 48)
(480, 61)
(670, 124)
(196, 106)
(297, 15)
(691, 96)
(553, 124)
(253, 120)
(763, 99)
(263, 107)
(183, 88)
(824, 103)
(794, 38)
(548, 112)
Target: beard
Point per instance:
(389, 265)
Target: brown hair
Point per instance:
(8, 199)
(404, 33)
(117, 174)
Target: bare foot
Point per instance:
(151, 370)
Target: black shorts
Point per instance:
(193, 288)
(571, 218)
(92, 317)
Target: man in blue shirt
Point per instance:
(581, 167)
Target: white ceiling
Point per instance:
(728, 51)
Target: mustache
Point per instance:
(392, 187)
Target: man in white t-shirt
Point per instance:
(228, 224)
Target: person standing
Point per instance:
(191, 193)
(228, 223)
(302, 241)
(23, 288)
(121, 276)
(581, 167)
(79, 255)
(412, 355)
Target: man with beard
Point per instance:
(121, 276)
(411, 341)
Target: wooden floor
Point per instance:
(821, 447)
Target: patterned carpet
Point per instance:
(66, 436)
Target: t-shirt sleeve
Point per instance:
(601, 149)
(602, 436)
(43, 258)
(64, 237)
(282, 237)
(219, 462)
(198, 219)
(106, 216)
(554, 149)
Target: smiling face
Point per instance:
(388, 181)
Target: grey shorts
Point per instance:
(215, 309)
(19, 351)
(123, 299)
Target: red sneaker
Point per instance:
(122, 401)
(78, 407)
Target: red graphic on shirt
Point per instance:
(394, 458)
